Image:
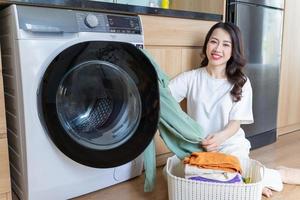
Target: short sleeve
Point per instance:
(242, 110)
(179, 86)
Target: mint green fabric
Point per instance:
(180, 133)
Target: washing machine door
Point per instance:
(99, 102)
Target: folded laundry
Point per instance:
(213, 167)
(211, 175)
(236, 179)
(214, 160)
(193, 171)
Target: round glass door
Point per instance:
(99, 102)
(98, 105)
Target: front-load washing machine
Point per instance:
(82, 100)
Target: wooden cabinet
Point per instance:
(211, 6)
(289, 94)
(5, 189)
(4, 171)
(176, 45)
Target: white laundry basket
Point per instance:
(180, 188)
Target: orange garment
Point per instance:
(214, 160)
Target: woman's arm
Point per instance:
(213, 141)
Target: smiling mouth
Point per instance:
(216, 56)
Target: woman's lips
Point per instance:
(215, 56)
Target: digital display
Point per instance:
(122, 22)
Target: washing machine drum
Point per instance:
(99, 102)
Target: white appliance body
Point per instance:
(39, 169)
(48, 169)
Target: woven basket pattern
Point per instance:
(180, 188)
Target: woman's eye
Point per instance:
(226, 45)
(213, 41)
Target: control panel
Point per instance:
(124, 24)
(58, 21)
(112, 23)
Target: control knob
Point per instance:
(91, 21)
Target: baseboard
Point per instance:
(262, 139)
(288, 129)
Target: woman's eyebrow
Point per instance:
(214, 38)
(227, 41)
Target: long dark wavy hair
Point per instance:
(237, 61)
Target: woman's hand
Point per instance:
(212, 142)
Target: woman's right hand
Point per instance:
(212, 142)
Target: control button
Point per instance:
(111, 22)
(131, 23)
(91, 21)
(140, 46)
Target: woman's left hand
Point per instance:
(212, 142)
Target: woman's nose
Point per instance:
(218, 48)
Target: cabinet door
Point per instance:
(2, 107)
(211, 6)
(289, 95)
(4, 163)
(175, 60)
(169, 59)
(5, 196)
(4, 171)
(174, 32)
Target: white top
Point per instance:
(209, 102)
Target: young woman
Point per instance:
(219, 97)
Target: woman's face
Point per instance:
(219, 48)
